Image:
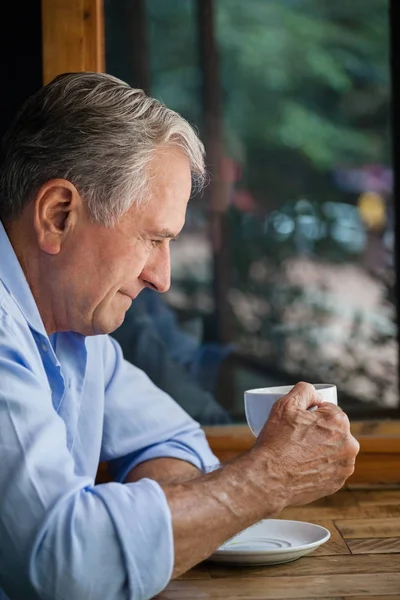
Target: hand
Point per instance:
(309, 454)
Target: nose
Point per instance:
(157, 270)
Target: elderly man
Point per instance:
(94, 181)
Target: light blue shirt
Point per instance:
(66, 403)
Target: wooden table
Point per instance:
(360, 561)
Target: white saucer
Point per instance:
(270, 542)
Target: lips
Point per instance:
(131, 295)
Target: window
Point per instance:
(287, 261)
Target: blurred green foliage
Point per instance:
(305, 89)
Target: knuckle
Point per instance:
(337, 412)
(340, 418)
(347, 469)
(287, 404)
(355, 446)
(352, 446)
(304, 385)
(301, 388)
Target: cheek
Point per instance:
(134, 260)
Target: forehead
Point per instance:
(169, 190)
(169, 172)
(163, 214)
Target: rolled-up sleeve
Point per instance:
(142, 422)
(61, 536)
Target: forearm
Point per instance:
(164, 471)
(299, 456)
(209, 509)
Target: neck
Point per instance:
(23, 240)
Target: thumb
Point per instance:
(304, 395)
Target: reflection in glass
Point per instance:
(305, 97)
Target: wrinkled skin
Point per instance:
(299, 456)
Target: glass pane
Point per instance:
(309, 227)
(306, 119)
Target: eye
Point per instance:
(156, 243)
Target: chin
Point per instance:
(117, 324)
(112, 325)
(108, 318)
(105, 326)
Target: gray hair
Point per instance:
(98, 133)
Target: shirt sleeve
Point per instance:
(62, 537)
(142, 422)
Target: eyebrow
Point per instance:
(163, 233)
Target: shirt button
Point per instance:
(44, 347)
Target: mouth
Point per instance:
(130, 296)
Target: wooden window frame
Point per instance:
(72, 36)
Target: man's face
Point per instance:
(100, 270)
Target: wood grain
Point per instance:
(169, 595)
(387, 428)
(313, 565)
(374, 545)
(365, 528)
(378, 467)
(386, 597)
(377, 497)
(200, 571)
(72, 36)
(391, 597)
(304, 513)
(93, 35)
(278, 588)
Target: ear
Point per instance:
(57, 207)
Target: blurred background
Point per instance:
(285, 267)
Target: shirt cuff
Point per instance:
(171, 449)
(143, 522)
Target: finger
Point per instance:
(304, 395)
(330, 406)
(355, 444)
(330, 409)
(332, 413)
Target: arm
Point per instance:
(142, 423)
(61, 536)
(299, 457)
(163, 470)
(51, 517)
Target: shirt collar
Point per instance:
(13, 278)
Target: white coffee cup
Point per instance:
(258, 403)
